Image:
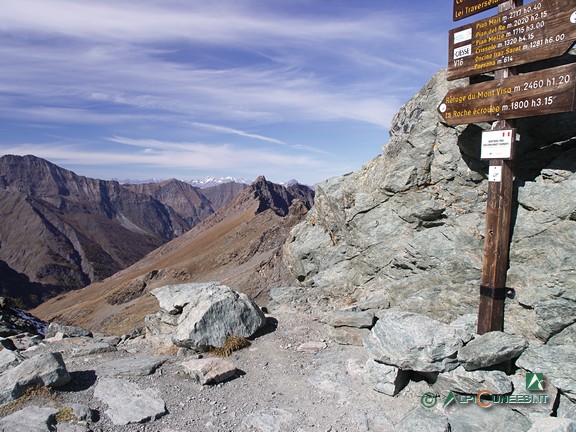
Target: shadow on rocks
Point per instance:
(270, 327)
(81, 380)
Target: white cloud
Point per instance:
(232, 131)
(179, 70)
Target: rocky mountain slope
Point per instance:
(61, 231)
(239, 245)
(407, 230)
(185, 199)
(221, 194)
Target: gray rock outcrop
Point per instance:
(46, 370)
(413, 342)
(423, 420)
(553, 425)
(408, 228)
(203, 315)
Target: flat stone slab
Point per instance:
(30, 419)
(210, 370)
(556, 363)
(129, 403)
(91, 349)
(491, 349)
(312, 347)
(130, 366)
(273, 420)
(471, 382)
(414, 342)
(364, 319)
(348, 335)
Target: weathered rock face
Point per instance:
(414, 342)
(202, 315)
(14, 320)
(408, 228)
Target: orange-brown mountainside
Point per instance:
(240, 245)
(63, 231)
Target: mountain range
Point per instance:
(61, 231)
(240, 245)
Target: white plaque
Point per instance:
(495, 174)
(497, 144)
(463, 36)
(463, 51)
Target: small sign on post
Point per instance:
(498, 144)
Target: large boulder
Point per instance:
(414, 342)
(204, 315)
(408, 228)
(491, 349)
(47, 370)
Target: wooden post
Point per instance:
(497, 237)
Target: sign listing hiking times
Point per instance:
(540, 30)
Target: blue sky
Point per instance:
(143, 89)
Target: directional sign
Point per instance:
(466, 8)
(548, 91)
(538, 31)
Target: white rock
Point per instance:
(210, 370)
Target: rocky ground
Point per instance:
(291, 378)
(352, 370)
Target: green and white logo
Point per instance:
(449, 399)
(535, 381)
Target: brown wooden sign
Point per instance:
(466, 8)
(548, 91)
(540, 30)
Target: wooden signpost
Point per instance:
(516, 35)
(466, 8)
(541, 30)
(547, 91)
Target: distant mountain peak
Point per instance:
(277, 197)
